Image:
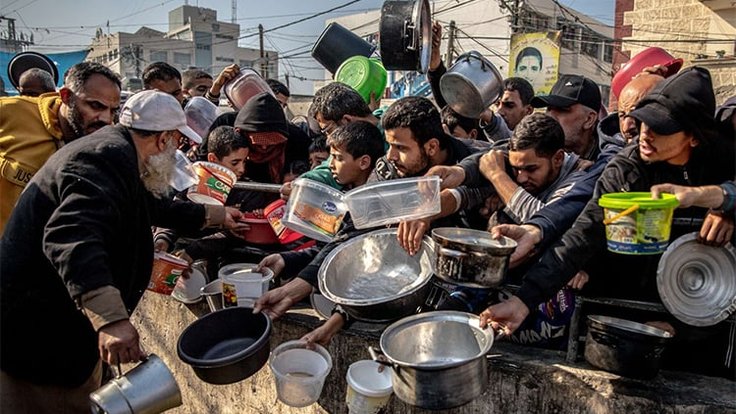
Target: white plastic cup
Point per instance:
(243, 287)
(369, 391)
(299, 372)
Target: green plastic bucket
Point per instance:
(364, 75)
(643, 231)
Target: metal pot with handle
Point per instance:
(148, 388)
(471, 258)
(406, 35)
(438, 359)
(471, 84)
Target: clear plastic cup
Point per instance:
(242, 285)
(299, 372)
(369, 390)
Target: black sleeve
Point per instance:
(298, 260)
(85, 222)
(585, 238)
(184, 216)
(471, 166)
(433, 76)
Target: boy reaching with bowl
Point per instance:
(354, 148)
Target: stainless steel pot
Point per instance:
(148, 388)
(406, 35)
(471, 84)
(471, 257)
(437, 358)
(374, 279)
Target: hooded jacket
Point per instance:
(29, 134)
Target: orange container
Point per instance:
(215, 183)
(260, 231)
(274, 212)
(166, 270)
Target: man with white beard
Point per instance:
(76, 256)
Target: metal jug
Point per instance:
(148, 388)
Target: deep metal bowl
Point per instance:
(374, 278)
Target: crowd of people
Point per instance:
(85, 179)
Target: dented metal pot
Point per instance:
(471, 258)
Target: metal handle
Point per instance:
(409, 27)
(380, 358)
(452, 253)
(253, 186)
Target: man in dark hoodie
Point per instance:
(678, 144)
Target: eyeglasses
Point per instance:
(330, 128)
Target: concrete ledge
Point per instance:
(521, 380)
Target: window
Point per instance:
(159, 56)
(245, 64)
(608, 52)
(182, 58)
(224, 59)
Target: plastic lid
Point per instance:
(190, 290)
(697, 283)
(171, 259)
(644, 200)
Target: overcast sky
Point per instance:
(63, 25)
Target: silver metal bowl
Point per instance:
(375, 279)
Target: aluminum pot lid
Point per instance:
(697, 283)
(29, 60)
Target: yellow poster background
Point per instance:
(547, 45)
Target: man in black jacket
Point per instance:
(76, 256)
(677, 144)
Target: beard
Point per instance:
(158, 170)
(76, 121)
(415, 169)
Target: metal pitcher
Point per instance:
(148, 388)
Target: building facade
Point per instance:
(701, 32)
(195, 38)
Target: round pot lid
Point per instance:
(321, 305)
(697, 283)
(29, 60)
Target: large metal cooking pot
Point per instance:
(374, 279)
(471, 258)
(624, 347)
(471, 84)
(406, 35)
(226, 346)
(437, 358)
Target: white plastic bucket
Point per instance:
(242, 285)
(369, 391)
(299, 372)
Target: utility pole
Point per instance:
(515, 17)
(450, 43)
(287, 81)
(234, 11)
(260, 39)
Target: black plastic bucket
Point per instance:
(226, 346)
(336, 44)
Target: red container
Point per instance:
(166, 270)
(260, 230)
(648, 57)
(274, 212)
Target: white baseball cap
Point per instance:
(152, 110)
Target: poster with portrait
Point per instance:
(536, 58)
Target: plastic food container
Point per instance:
(274, 213)
(363, 74)
(314, 209)
(393, 201)
(200, 113)
(299, 372)
(215, 183)
(369, 391)
(260, 230)
(242, 285)
(166, 270)
(637, 224)
(245, 86)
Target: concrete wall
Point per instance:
(521, 380)
(677, 25)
